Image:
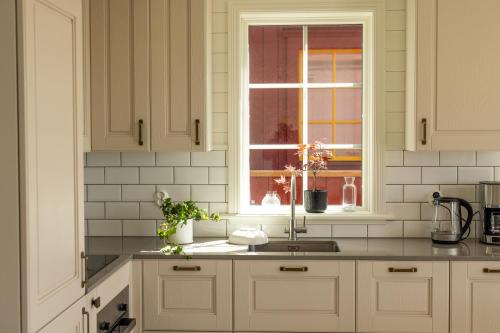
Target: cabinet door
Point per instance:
(180, 75)
(52, 156)
(294, 296)
(119, 44)
(187, 295)
(73, 320)
(457, 99)
(402, 296)
(475, 297)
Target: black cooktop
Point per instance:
(96, 263)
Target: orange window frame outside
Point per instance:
(334, 120)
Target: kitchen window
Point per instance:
(298, 78)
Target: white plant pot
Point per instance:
(184, 234)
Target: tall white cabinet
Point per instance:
(49, 179)
(452, 75)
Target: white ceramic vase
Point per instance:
(184, 234)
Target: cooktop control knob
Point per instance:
(104, 326)
(123, 307)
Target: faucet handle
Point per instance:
(303, 229)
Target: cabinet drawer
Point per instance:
(402, 296)
(475, 297)
(187, 295)
(294, 296)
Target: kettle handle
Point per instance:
(470, 214)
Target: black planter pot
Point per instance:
(315, 201)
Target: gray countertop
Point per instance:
(415, 249)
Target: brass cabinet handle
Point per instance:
(141, 122)
(489, 270)
(294, 269)
(187, 268)
(197, 132)
(84, 259)
(85, 313)
(424, 128)
(403, 270)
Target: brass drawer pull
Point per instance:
(424, 127)
(187, 268)
(294, 269)
(402, 270)
(141, 122)
(86, 314)
(197, 132)
(489, 270)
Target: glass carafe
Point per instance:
(271, 200)
(349, 195)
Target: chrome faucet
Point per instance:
(293, 230)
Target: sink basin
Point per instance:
(296, 246)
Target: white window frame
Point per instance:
(370, 14)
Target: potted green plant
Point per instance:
(177, 228)
(316, 157)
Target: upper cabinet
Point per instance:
(453, 75)
(150, 75)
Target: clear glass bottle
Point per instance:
(271, 200)
(349, 195)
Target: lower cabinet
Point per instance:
(294, 296)
(187, 295)
(475, 297)
(403, 296)
(78, 318)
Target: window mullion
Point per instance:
(305, 118)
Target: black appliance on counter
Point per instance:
(114, 317)
(489, 200)
(97, 262)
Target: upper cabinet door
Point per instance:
(453, 75)
(51, 132)
(180, 77)
(119, 52)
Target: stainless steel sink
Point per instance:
(296, 246)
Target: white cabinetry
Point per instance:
(188, 295)
(150, 75)
(453, 74)
(51, 156)
(475, 297)
(76, 319)
(294, 296)
(402, 296)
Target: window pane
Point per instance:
(320, 132)
(274, 116)
(320, 104)
(348, 133)
(267, 165)
(348, 103)
(275, 53)
(335, 53)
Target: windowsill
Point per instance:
(330, 217)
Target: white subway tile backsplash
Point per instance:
(217, 175)
(473, 175)
(395, 20)
(103, 159)
(497, 174)
(150, 211)
(209, 229)
(173, 159)
(421, 158)
(219, 43)
(213, 158)
(488, 158)
(404, 211)
(157, 175)
(389, 229)
(138, 159)
(139, 227)
(218, 207)
(467, 192)
(344, 231)
(138, 192)
(176, 192)
(219, 6)
(94, 210)
(395, 60)
(94, 175)
(402, 175)
(439, 175)
(419, 193)
(122, 210)
(395, 40)
(104, 192)
(395, 81)
(193, 175)
(219, 22)
(126, 175)
(393, 158)
(417, 229)
(395, 4)
(393, 193)
(104, 228)
(455, 158)
(208, 193)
